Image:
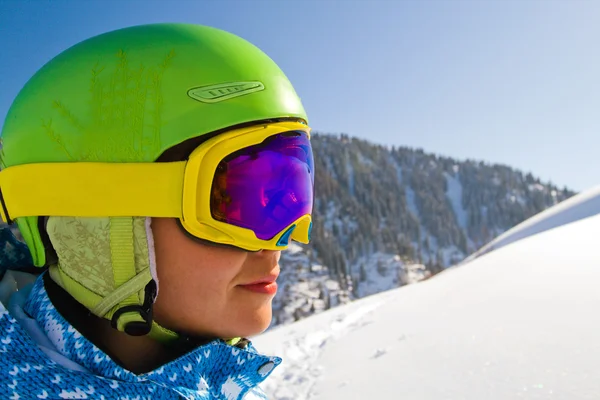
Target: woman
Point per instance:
(155, 173)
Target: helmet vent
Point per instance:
(224, 91)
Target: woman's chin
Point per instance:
(251, 323)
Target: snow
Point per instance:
(304, 344)
(398, 169)
(413, 273)
(517, 323)
(537, 187)
(518, 198)
(378, 272)
(335, 217)
(410, 202)
(365, 161)
(304, 287)
(454, 194)
(583, 205)
(350, 170)
(383, 271)
(294, 248)
(451, 255)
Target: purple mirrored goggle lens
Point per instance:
(265, 187)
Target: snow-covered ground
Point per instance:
(520, 322)
(583, 205)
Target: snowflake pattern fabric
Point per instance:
(213, 371)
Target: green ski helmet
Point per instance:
(128, 96)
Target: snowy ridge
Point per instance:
(581, 206)
(516, 323)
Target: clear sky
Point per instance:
(514, 82)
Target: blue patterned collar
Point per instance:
(223, 370)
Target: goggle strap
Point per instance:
(92, 190)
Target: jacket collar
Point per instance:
(217, 367)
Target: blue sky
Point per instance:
(513, 82)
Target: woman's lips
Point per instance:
(264, 285)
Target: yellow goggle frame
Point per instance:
(170, 190)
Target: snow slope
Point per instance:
(577, 207)
(518, 323)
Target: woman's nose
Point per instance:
(276, 254)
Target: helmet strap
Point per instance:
(129, 294)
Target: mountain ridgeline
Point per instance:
(380, 210)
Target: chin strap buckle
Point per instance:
(138, 328)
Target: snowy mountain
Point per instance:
(387, 216)
(516, 323)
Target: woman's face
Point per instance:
(211, 291)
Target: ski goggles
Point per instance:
(250, 188)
